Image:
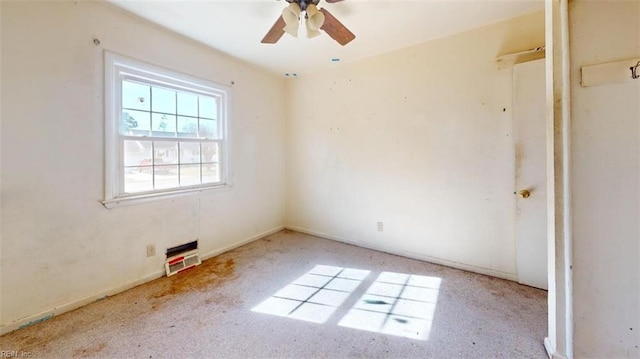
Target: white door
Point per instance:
(531, 175)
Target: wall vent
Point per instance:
(182, 257)
(182, 262)
(174, 251)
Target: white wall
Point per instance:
(60, 246)
(605, 174)
(417, 139)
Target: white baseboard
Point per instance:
(549, 347)
(408, 254)
(219, 251)
(551, 351)
(50, 313)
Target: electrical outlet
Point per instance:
(380, 226)
(151, 250)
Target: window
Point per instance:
(166, 133)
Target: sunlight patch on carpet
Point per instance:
(314, 296)
(396, 304)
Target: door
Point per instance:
(531, 173)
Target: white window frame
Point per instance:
(118, 68)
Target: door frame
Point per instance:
(559, 342)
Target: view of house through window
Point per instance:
(171, 131)
(179, 130)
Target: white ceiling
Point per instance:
(236, 27)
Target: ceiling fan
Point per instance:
(315, 19)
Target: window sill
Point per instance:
(155, 197)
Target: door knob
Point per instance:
(524, 193)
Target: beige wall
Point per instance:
(420, 139)
(60, 246)
(416, 139)
(605, 146)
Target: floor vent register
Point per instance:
(181, 258)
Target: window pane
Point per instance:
(189, 175)
(209, 152)
(187, 127)
(210, 173)
(163, 100)
(208, 129)
(165, 153)
(138, 179)
(135, 96)
(189, 152)
(208, 108)
(163, 125)
(187, 104)
(136, 123)
(165, 176)
(137, 152)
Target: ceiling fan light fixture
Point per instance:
(311, 33)
(315, 20)
(291, 17)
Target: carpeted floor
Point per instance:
(292, 295)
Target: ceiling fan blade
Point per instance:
(275, 33)
(335, 29)
(332, 1)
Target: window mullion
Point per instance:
(175, 125)
(198, 112)
(178, 164)
(200, 162)
(176, 139)
(153, 164)
(120, 188)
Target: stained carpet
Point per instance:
(292, 295)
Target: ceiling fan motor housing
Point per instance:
(303, 3)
